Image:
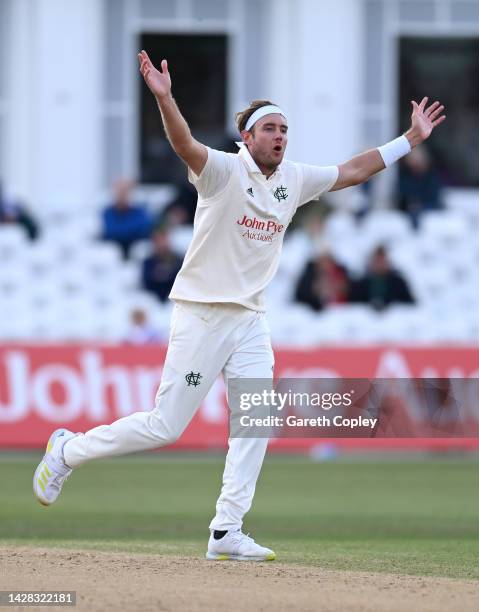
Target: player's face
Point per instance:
(267, 142)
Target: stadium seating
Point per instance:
(68, 286)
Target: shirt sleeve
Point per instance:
(215, 175)
(316, 181)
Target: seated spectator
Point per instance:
(12, 212)
(161, 267)
(125, 222)
(324, 282)
(141, 332)
(381, 285)
(419, 185)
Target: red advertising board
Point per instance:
(80, 387)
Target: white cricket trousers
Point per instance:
(205, 339)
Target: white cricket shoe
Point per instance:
(235, 545)
(52, 472)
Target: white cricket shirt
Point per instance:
(239, 226)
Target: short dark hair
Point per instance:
(243, 116)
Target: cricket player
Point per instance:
(245, 203)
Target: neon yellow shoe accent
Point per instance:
(222, 558)
(43, 473)
(271, 557)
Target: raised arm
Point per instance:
(192, 152)
(361, 167)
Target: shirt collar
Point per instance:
(246, 156)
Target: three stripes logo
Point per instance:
(43, 477)
(249, 191)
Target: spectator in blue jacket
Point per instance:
(125, 222)
(12, 212)
(161, 267)
(420, 185)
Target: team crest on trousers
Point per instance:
(193, 379)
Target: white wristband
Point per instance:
(394, 150)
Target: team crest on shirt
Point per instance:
(281, 193)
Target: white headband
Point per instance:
(261, 112)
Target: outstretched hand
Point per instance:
(158, 82)
(424, 120)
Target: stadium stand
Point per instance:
(69, 286)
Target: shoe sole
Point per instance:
(225, 557)
(37, 480)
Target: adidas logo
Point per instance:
(42, 479)
(249, 191)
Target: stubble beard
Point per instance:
(265, 160)
(268, 163)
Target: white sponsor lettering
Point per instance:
(62, 393)
(72, 392)
(100, 382)
(16, 378)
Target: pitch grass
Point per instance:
(402, 517)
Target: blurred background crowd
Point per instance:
(367, 275)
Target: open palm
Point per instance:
(158, 82)
(424, 120)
